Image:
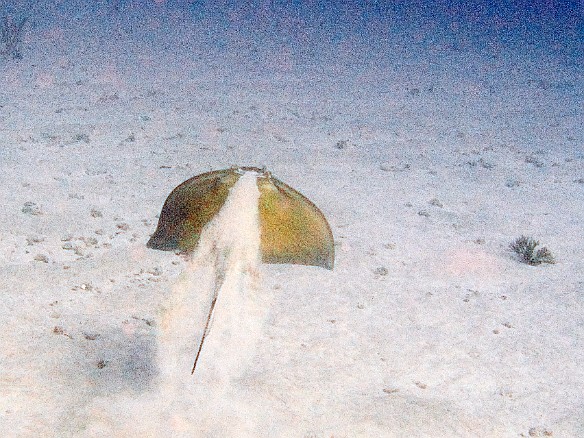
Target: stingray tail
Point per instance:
(205, 332)
(220, 269)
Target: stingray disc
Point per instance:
(293, 230)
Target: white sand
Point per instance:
(427, 155)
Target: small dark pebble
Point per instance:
(390, 390)
(534, 161)
(91, 336)
(342, 144)
(31, 208)
(41, 258)
(539, 432)
(381, 271)
(34, 239)
(435, 202)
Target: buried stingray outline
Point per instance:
(292, 229)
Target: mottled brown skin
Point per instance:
(293, 230)
(188, 208)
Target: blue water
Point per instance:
(354, 52)
(550, 26)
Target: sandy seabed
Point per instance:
(428, 164)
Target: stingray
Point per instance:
(292, 229)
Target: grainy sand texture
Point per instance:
(430, 134)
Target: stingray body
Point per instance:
(286, 227)
(292, 229)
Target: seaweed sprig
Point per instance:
(11, 37)
(525, 246)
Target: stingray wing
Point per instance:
(189, 207)
(293, 229)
